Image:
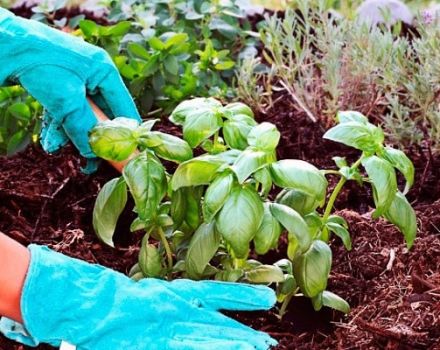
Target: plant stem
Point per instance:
(286, 303)
(332, 199)
(167, 250)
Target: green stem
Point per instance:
(332, 199)
(168, 251)
(286, 303)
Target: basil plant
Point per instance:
(213, 217)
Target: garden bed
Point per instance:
(394, 293)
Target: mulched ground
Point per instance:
(394, 293)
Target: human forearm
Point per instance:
(14, 263)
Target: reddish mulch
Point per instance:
(394, 293)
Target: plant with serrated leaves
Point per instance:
(213, 215)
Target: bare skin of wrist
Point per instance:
(15, 259)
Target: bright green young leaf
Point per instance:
(180, 113)
(331, 300)
(299, 201)
(172, 148)
(341, 232)
(176, 40)
(264, 136)
(147, 182)
(383, 179)
(265, 274)
(138, 50)
(109, 205)
(216, 195)
(240, 218)
(20, 111)
(293, 223)
(119, 29)
(287, 287)
(312, 269)
(150, 260)
(200, 125)
(336, 219)
(365, 137)
(401, 162)
(351, 116)
(89, 28)
(202, 248)
(115, 139)
(401, 214)
(197, 171)
(268, 233)
(237, 108)
(299, 175)
(156, 44)
(248, 162)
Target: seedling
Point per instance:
(208, 217)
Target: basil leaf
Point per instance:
(294, 224)
(180, 113)
(401, 162)
(312, 269)
(331, 300)
(365, 137)
(264, 177)
(201, 250)
(240, 218)
(200, 125)
(216, 195)
(109, 205)
(115, 139)
(237, 108)
(264, 136)
(147, 182)
(172, 148)
(265, 274)
(299, 175)
(247, 163)
(150, 260)
(401, 214)
(341, 232)
(351, 116)
(299, 201)
(235, 133)
(384, 183)
(196, 171)
(268, 233)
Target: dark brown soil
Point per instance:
(394, 293)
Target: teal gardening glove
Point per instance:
(59, 70)
(95, 308)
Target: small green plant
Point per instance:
(20, 121)
(213, 216)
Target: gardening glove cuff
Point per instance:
(95, 308)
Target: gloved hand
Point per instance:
(96, 308)
(59, 70)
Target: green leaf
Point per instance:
(18, 142)
(138, 50)
(89, 28)
(235, 134)
(384, 183)
(264, 177)
(147, 182)
(150, 260)
(293, 223)
(268, 233)
(237, 108)
(265, 274)
(109, 205)
(225, 65)
(299, 201)
(171, 64)
(365, 137)
(200, 125)
(299, 175)
(240, 218)
(401, 162)
(180, 113)
(312, 269)
(351, 116)
(341, 232)
(197, 171)
(338, 220)
(248, 162)
(264, 136)
(401, 214)
(331, 300)
(202, 248)
(172, 148)
(118, 29)
(176, 40)
(156, 44)
(216, 195)
(115, 139)
(20, 111)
